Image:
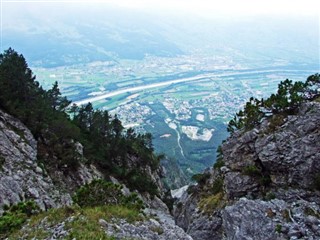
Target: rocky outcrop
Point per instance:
(270, 183)
(22, 177)
(162, 228)
(269, 220)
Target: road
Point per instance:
(162, 84)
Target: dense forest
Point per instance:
(59, 126)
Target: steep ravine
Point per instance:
(268, 187)
(23, 178)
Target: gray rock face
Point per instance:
(197, 224)
(276, 219)
(151, 229)
(237, 185)
(280, 162)
(22, 178)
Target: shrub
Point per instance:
(265, 180)
(217, 186)
(132, 201)
(100, 192)
(201, 178)
(278, 228)
(252, 171)
(137, 180)
(269, 196)
(218, 164)
(191, 189)
(14, 216)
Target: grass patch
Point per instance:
(251, 170)
(209, 203)
(86, 225)
(80, 223)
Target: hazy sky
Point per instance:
(243, 7)
(17, 13)
(203, 7)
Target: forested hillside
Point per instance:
(58, 128)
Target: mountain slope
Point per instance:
(23, 178)
(268, 186)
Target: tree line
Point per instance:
(57, 125)
(286, 100)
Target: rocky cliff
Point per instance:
(268, 186)
(22, 177)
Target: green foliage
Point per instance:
(41, 111)
(14, 216)
(109, 146)
(80, 223)
(142, 182)
(313, 87)
(105, 142)
(312, 212)
(262, 177)
(269, 196)
(209, 203)
(191, 189)
(132, 201)
(288, 97)
(252, 171)
(265, 180)
(100, 192)
(168, 200)
(217, 186)
(200, 178)
(219, 162)
(278, 228)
